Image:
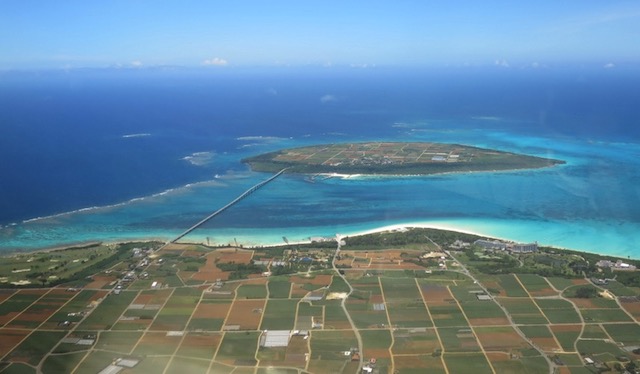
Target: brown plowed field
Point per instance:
(547, 344)
(10, 338)
(500, 339)
(436, 295)
(205, 310)
(498, 356)
(243, 313)
(100, 281)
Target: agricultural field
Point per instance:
(190, 308)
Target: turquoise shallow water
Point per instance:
(90, 141)
(592, 203)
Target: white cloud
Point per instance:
(327, 98)
(136, 63)
(216, 61)
(362, 66)
(609, 65)
(504, 63)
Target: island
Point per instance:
(393, 158)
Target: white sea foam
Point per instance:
(249, 145)
(139, 135)
(487, 118)
(261, 138)
(212, 182)
(200, 158)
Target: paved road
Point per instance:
(465, 271)
(346, 312)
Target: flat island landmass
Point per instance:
(393, 158)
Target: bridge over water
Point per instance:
(229, 205)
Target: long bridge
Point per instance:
(229, 205)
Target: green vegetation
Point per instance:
(279, 288)
(37, 345)
(468, 363)
(585, 292)
(416, 237)
(108, 311)
(252, 291)
(279, 315)
(239, 347)
(69, 265)
(240, 271)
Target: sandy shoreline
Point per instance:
(266, 243)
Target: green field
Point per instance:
(279, 315)
(558, 310)
(468, 363)
(511, 286)
(108, 311)
(279, 289)
(238, 348)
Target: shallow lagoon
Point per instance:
(158, 151)
(591, 203)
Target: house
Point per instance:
(618, 265)
(523, 247)
(491, 244)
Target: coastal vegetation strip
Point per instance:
(393, 158)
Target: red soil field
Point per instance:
(501, 340)
(243, 314)
(633, 308)
(376, 353)
(547, 344)
(298, 292)
(436, 295)
(143, 299)
(205, 310)
(488, 321)
(239, 256)
(5, 294)
(33, 292)
(35, 315)
(9, 339)
(498, 356)
(8, 317)
(200, 344)
(210, 272)
(100, 281)
(561, 328)
(98, 295)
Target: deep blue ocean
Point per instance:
(119, 154)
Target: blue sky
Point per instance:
(67, 34)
